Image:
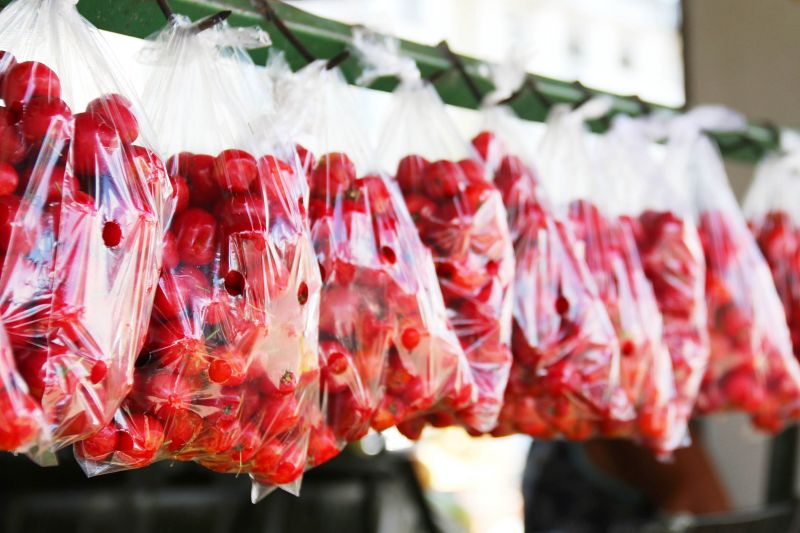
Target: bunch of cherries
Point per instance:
(460, 217)
(752, 367)
(562, 381)
(229, 371)
(80, 230)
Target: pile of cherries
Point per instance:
(752, 367)
(672, 257)
(562, 381)
(79, 235)
(386, 352)
(460, 217)
(228, 374)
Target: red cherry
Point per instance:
(43, 116)
(322, 446)
(112, 234)
(473, 171)
(176, 291)
(488, 146)
(28, 80)
(333, 174)
(378, 196)
(98, 372)
(8, 179)
(420, 207)
(441, 179)
(242, 213)
(302, 293)
(235, 170)
(32, 366)
(195, 232)
(234, 283)
(19, 426)
(99, 446)
(170, 253)
(307, 160)
(139, 440)
(409, 173)
(204, 190)
(181, 429)
(114, 110)
(92, 145)
(12, 144)
(410, 338)
(219, 371)
(181, 191)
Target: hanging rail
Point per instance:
(328, 39)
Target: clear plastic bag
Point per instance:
(386, 349)
(229, 372)
(83, 207)
(770, 208)
(671, 255)
(577, 180)
(460, 217)
(751, 367)
(565, 376)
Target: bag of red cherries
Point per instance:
(82, 203)
(752, 368)
(670, 252)
(460, 217)
(770, 208)
(565, 377)
(577, 180)
(229, 371)
(387, 351)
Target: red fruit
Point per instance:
(242, 213)
(99, 446)
(276, 176)
(139, 440)
(8, 179)
(114, 110)
(441, 179)
(164, 393)
(195, 232)
(488, 146)
(235, 170)
(41, 116)
(322, 445)
(229, 369)
(9, 205)
(473, 171)
(410, 338)
(307, 160)
(92, 145)
(333, 174)
(181, 191)
(204, 190)
(98, 372)
(32, 366)
(12, 145)
(145, 165)
(170, 253)
(58, 181)
(409, 173)
(27, 80)
(181, 429)
(18, 426)
(420, 207)
(176, 291)
(183, 354)
(378, 196)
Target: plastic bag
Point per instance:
(670, 252)
(229, 372)
(386, 349)
(82, 210)
(584, 187)
(460, 217)
(770, 207)
(751, 367)
(565, 376)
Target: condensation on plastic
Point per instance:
(83, 207)
(579, 183)
(751, 367)
(229, 372)
(460, 216)
(771, 208)
(386, 351)
(671, 255)
(565, 377)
